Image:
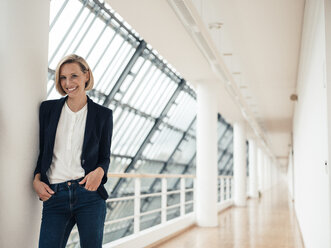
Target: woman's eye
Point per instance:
(62, 78)
(74, 76)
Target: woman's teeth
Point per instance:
(72, 89)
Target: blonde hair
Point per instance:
(73, 58)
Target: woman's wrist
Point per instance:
(37, 177)
(100, 171)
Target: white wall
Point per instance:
(23, 69)
(311, 181)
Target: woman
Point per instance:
(75, 140)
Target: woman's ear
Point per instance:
(87, 75)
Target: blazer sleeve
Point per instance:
(41, 139)
(105, 143)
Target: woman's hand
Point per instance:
(93, 179)
(42, 189)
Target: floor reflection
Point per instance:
(268, 222)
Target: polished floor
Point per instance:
(268, 222)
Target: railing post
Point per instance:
(137, 186)
(222, 189)
(194, 193)
(230, 188)
(227, 188)
(182, 196)
(164, 201)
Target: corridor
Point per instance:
(266, 223)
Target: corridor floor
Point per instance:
(268, 222)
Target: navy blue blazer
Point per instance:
(97, 138)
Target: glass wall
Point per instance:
(225, 147)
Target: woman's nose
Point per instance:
(68, 81)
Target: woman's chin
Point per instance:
(75, 95)
(71, 95)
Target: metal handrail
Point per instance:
(137, 175)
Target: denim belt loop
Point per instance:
(56, 188)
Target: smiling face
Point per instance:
(73, 79)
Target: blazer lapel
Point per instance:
(90, 122)
(54, 120)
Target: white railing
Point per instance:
(163, 194)
(224, 188)
(224, 198)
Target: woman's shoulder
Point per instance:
(102, 108)
(49, 103)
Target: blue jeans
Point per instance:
(70, 204)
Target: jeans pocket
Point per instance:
(82, 186)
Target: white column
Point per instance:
(239, 164)
(274, 176)
(268, 172)
(23, 65)
(266, 166)
(206, 168)
(252, 169)
(272, 173)
(260, 169)
(264, 172)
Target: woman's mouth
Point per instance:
(71, 89)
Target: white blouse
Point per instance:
(66, 162)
